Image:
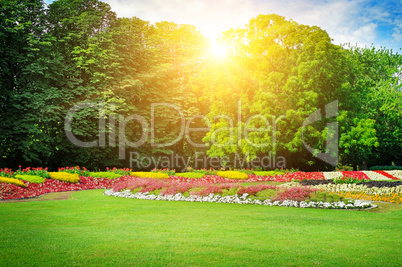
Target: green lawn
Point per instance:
(92, 229)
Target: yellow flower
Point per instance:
(12, 181)
(153, 175)
(65, 176)
(232, 175)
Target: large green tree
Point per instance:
(22, 82)
(288, 72)
(81, 86)
(371, 122)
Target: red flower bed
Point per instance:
(254, 189)
(295, 193)
(211, 189)
(10, 191)
(288, 177)
(355, 175)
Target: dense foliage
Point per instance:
(153, 90)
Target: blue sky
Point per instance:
(358, 22)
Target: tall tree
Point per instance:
(290, 71)
(372, 121)
(22, 82)
(82, 71)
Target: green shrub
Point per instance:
(385, 168)
(124, 171)
(325, 197)
(167, 171)
(31, 178)
(155, 192)
(349, 180)
(136, 190)
(204, 171)
(343, 168)
(190, 175)
(267, 194)
(7, 173)
(107, 175)
(232, 191)
(246, 171)
(42, 172)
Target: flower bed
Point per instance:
(42, 172)
(386, 175)
(391, 197)
(194, 175)
(355, 175)
(31, 178)
(156, 175)
(268, 173)
(197, 182)
(108, 175)
(396, 173)
(359, 188)
(233, 175)
(332, 175)
(12, 181)
(374, 176)
(194, 190)
(243, 199)
(65, 176)
(11, 191)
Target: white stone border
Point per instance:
(235, 199)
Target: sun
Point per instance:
(218, 50)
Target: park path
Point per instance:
(46, 197)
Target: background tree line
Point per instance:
(55, 56)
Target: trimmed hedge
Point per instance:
(12, 181)
(154, 175)
(31, 178)
(232, 175)
(65, 176)
(385, 168)
(193, 175)
(107, 175)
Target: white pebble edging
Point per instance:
(235, 199)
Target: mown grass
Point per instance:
(92, 229)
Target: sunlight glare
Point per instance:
(218, 50)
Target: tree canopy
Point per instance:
(81, 86)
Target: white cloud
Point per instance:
(397, 35)
(346, 21)
(210, 17)
(342, 19)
